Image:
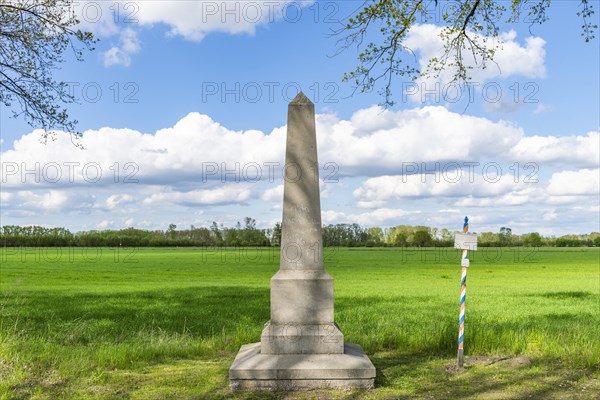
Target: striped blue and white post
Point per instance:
(465, 242)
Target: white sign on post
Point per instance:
(465, 241)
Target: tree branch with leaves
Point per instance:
(34, 36)
(469, 27)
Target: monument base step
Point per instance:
(252, 370)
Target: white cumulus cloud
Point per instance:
(223, 195)
(193, 20)
(455, 184)
(371, 218)
(198, 162)
(117, 199)
(579, 150)
(121, 55)
(575, 183)
(511, 58)
(273, 194)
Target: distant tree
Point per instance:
(375, 235)
(250, 223)
(435, 232)
(505, 236)
(422, 238)
(562, 242)
(171, 231)
(250, 235)
(34, 35)
(216, 234)
(232, 237)
(333, 235)
(203, 237)
(532, 240)
(400, 239)
(276, 235)
(572, 241)
(402, 235)
(445, 237)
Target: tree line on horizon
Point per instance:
(343, 235)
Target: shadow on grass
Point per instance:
(198, 312)
(418, 376)
(566, 295)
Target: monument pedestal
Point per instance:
(301, 296)
(252, 370)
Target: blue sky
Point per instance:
(189, 85)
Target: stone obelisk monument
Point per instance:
(301, 346)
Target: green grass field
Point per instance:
(167, 323)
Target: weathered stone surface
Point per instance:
(301, 235)
(253, 370)
(302, 339)
(302, 297)
(300, 384)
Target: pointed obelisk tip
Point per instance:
(301, 100)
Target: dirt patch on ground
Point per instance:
(483, 360)
(454, 369)
(517, 361)
(507, 361)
